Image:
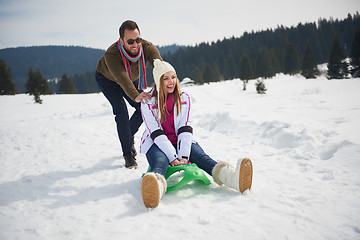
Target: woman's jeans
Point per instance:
(159, 162)
(126, 127)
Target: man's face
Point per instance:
(133, 49)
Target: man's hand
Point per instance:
(143, 97)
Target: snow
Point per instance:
(62, 174)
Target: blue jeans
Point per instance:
(126, 128)
(159, 162)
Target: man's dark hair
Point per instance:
(129, 25)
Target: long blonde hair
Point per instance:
(161, 100)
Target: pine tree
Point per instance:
(43, 86)
(7, 87)
(37, 85)
(208, 74)
(216, 71)
(260, 87)
(291, 61)
(66, 85)
(246, 71)
(309, 66)
(263, 65)
(355, 55)
(198, 76)
(211, 73)
(337, 66)
(275, 63)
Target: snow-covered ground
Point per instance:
(62, 174)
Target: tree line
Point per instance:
(265, 53)
(37, 84)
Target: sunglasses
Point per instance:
(132, 41)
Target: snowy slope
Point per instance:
(62, 174)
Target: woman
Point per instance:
(168, 139)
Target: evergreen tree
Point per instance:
(37, 85)
(309, 66)
(337, 66)
(43, 86)
(211, 73)
(32, 83)
(274, 59)
(291, 61)
(7, 87)
(197, 76)
(216, 71)
(208, 74)
(231, 67)
(263, 65)
(246, 71)
(260, 87)
(32, 86)
(355, 55)
(66, 85)
(85, 83)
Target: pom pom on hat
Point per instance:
(160, 68)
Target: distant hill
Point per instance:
(54, 61)
(169, 49)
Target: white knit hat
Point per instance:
(160, 68)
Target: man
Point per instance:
(121, 74)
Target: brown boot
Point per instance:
(130, 161)
(153, 188)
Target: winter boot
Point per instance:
(130, 161)
(239, 178)
(133, 150)
(153, 187)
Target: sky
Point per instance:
(96, 23)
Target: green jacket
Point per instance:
(112, 67)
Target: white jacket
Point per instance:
(154, 132)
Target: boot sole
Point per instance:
(246, 172)
(131, 167)
(150, 191)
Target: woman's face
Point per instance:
(170, 81)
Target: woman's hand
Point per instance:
(183, 161)
(177, 162)
(143, 97)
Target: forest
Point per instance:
(280, 50)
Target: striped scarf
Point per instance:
(142, 67)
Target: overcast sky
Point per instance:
(95, 24)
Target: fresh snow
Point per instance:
(62, 174)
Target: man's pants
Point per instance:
(126, 127)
